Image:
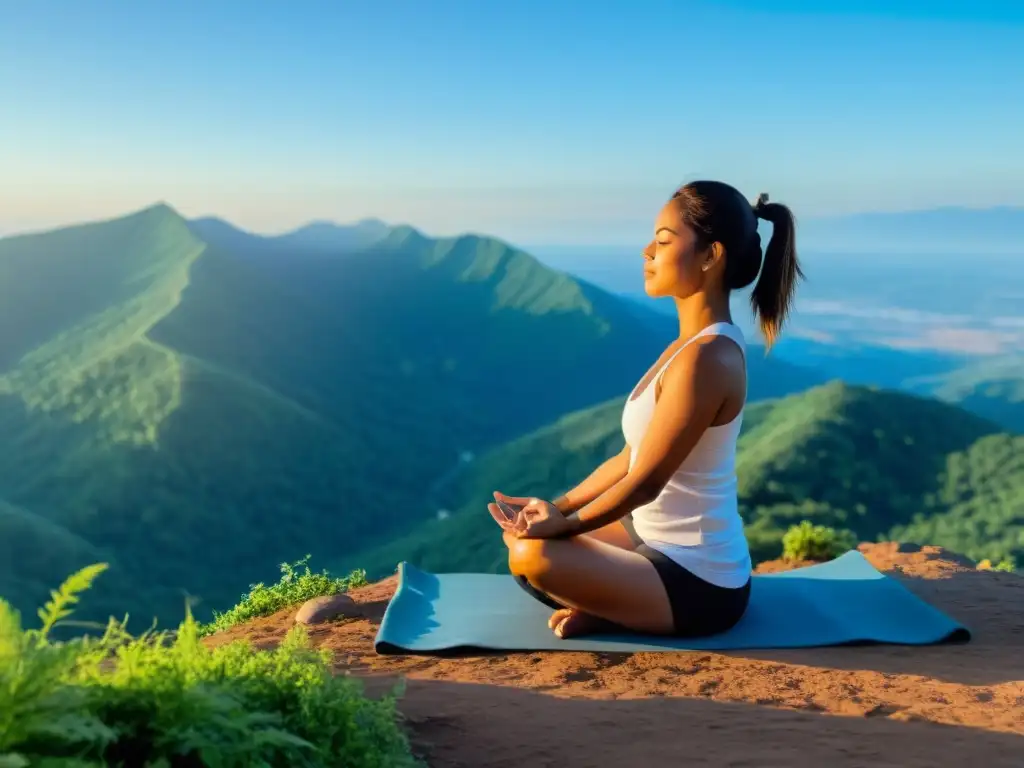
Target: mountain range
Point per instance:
(194, 403)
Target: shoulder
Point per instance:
(710, 362)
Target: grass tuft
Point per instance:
(297, 585)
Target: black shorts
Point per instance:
(699, 608)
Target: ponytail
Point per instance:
(772, 297)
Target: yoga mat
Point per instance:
(841, 602)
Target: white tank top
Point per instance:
(695, 520)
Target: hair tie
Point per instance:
(760, 203)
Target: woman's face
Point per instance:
(672, 261)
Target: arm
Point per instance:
(599, 481)
(691, 396)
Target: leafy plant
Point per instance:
(167, 699)
(37, 706)
(1007, 565)
(295, 586)
(807, 541)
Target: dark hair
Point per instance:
(717, 212)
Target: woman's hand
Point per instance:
(516, 502)
(535, 519)
(544, 521)
(511, 526)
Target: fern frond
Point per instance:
(61, 600)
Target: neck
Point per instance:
(699, 311)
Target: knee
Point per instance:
(530, 557)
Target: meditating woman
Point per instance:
(653, 541)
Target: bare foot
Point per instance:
(558, 616)
(569, 623)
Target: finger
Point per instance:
(498, 515)
(515, 501)
(497, 512)
(521, 523)
(530, 532)
(519, 501)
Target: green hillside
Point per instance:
(194, 412)
(881, 463)
(979, 501)
(991, 387)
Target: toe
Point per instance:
(558, 617)
(579, 623)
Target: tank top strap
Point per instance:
(715, 329)
(729, 330)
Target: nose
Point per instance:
(648, 251)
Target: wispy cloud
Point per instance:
(903, 328)
(895, 314)
(971, 341)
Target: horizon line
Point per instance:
(71, 224)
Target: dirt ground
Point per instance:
(857, 706)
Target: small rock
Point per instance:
(321, 609)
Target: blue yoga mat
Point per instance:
(840, 602)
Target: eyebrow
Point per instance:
(668, 228)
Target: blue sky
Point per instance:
(542, 122)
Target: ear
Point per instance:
(713, 256)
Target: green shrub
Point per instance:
(1007, 565)
(293, 588)
(166, 699)
(807, 541)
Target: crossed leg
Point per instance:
(570, 622)
(598, 577)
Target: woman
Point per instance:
(653, 541)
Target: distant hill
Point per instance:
(192, 402)
(991, 387)
(948, 230)
(867, 364)
(880, 463)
